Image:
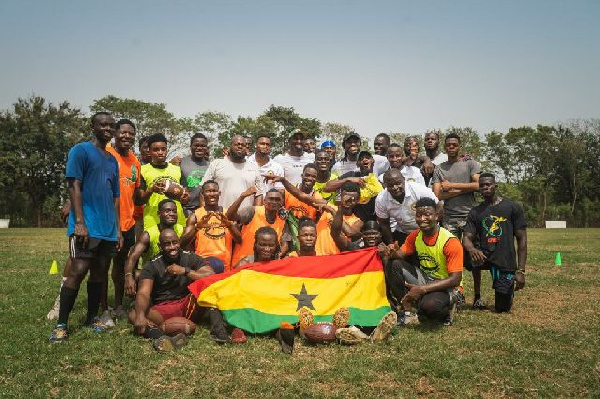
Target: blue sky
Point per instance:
(375, 65)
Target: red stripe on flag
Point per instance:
(323, 267)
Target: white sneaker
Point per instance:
(106, 319)
(53, 313)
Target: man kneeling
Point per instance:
(434, 287)
(163, 283)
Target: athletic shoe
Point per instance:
(59, 334)
(479, 305)
(350, 336)
(97, 325)
(383, 331)
(106, 319)
(238, 336)
(409, 318)
(119, 313)
(179, 341)
(218, 333)
(286, 335)
(163, 344)
(341, 317)
(53, 313)
(450, 319)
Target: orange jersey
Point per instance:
(214, 241)
(325, 244)
(246, 247)
(298, 208)
(129, 180)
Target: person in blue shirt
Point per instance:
(94, 234)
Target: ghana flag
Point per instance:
(258, 297)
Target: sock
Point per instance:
(67, 301)
(94, 293)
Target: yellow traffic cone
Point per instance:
(53, 268)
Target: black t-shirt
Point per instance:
(168, 287)
(494, 227)
(366, 211)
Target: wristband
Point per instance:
(128, 274)
(520, 271)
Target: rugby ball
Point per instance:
(173, 190)
(320, 333)
(176, 325)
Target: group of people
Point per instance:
(191, 217)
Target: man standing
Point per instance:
(266, 165)
(494, 224)
(155, 176)
(395, 156)
(193, 168)
(395, 206)
(351, 144)
(455, 182)
(329, 147)
(380, 148)
(129, 181)
(294, 160)
(323, 163)
(432, 143)
(235, 175)
(434, 287)
(94, 228)
(309, 145)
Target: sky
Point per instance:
(378, 66)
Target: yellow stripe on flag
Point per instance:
(276, 294)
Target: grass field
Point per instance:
(547, 346)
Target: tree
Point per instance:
(36, 138)
(149, 118)
(336, 131)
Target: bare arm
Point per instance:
(386, 230)
(443, 195)
(352, 231)
(477, 255)
(521, 235)
(80, 232)
(141, 246)
(194, 275)
(417, 291)
(301, 196)
(189, 232)
(336, 230)
(142, 304)
(336, 184)
(232, 211)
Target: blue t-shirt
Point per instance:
(99, 175)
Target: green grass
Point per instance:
(547, 346)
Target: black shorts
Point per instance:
(503, 282)
(95, 247)
(128, 240)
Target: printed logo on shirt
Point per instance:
(493, 229)
(195, 178)
(428, 263)
(130, 180)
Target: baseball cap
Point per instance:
(328, 143)
(300, 132)
(351, 134)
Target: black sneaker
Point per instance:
(218, 333)
(479, 305)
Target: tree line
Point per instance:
(553, 171)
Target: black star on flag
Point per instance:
(304, 299)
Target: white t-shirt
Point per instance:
(270, 166)
(439, 158)
(342, 167)
(292, 165)
(402, 215)
(410, 173)
(381, 164)
(233, 179)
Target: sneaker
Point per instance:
(106, 319)
(97, 325)
(286, 335)
(350, 336)
(179, 341)
(119, 313)
(409, 318)
(238, 336)
(450, 319)
(341, 317)
(53, 313)
(163, 344)
(383, 331)
(218, 333)
(479, 305)
(59, 334)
